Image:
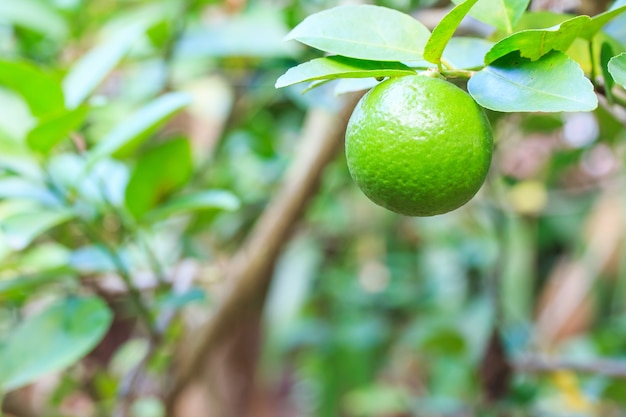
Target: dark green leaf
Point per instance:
(534, 43)
(606, 54)
(52, 340)
(91, 69)
(617, 68)
(158, 173)
(515, 84)
(41, 91)
(444, 30)
(35, 15)
(52, 130)
(341, 67)
(139, 125)
(598, 21)
(501, 14)
(212, 199)
(364, 32)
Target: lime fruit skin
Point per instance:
(418, 146)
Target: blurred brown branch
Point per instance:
(613, 368)
(230, 335)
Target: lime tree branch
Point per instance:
(250, 268)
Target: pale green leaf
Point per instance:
(91, 69)
(341, 67)
(139, 125)
(617, 68)
(52, 340)
(553, 83)
(444, 30)
(35, 15)
(20, 229)
(466, 53)
(364, 32)
(501, 14)
(204, 200)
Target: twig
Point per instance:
(613, 368)
(248, 276)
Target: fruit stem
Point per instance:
(457, 73)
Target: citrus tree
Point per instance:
(150, 184)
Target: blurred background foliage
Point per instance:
(370, 314)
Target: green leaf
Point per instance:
(444, 30)
(23, 284)
(341, 67)
(598, 22)
(52, 340)
(467, 53)
(212, 199)
(52, 130)
(41, 91)
(501, 14)
(139, 125)
(617, 68)
(35, 15)
(158, 173)
(20, 229)
(534, 43)
(13, 187)
(364, 32)
(91, 69)
(553, 83)
(606, 54)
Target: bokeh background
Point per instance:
(513, 305)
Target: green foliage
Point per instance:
(140, 141)
(52, 340)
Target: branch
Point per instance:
(612, 368)
(248, 276)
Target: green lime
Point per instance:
(418, 146)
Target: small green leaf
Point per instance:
(35, 15)
(52, 130)
(41, 91)
(20, 229)
(606, 54)
(52, 340)
(341, 67)
(534, 43)
(159, 172)
(212, 199)
(139, 125)
(553, 83)
(91, 69)
(617, 68)
(501, 14)
(598, 22)
(364, 32)
(444, 30)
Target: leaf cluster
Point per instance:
(516, 69)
